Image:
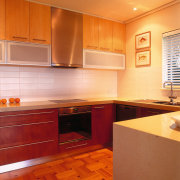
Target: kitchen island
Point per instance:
(147, 148)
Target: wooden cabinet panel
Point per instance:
(144, 112)
(105, 35)
(28, 133)
(27, 117)
(40, 23)
(102, 120)
(125, 112)
(17, 20)
(29, 151)
(118, 37)
(90, 32)
(2, 19)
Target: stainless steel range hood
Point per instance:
(67, 38)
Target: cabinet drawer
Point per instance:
(28, 117)
(75, 145)
(27, 133)
(28, 151)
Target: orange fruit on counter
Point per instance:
(11, 100)
(17, 100)
(4, 101)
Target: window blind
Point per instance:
(171, 58)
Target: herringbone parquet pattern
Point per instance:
(95, 165)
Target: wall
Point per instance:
(33, 83)
(145, 82)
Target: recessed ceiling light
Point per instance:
(135, 9)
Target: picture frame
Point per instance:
(143, 40)
(143, 58)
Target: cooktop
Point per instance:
(67, 100)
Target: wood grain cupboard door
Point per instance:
(103, 117)
(118, 37)
(17, 20)
(40, 23)
(105, 35)
(90, 32)
(2, 19)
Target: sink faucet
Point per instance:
(171, 97)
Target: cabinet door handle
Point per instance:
(18, 37)
(39, 40)
(118, 50)
(20, 125)
(100, 107)
(105, 49)
(76, 146)
(92, 47)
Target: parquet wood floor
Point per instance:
(96, 165)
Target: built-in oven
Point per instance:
(74, 124)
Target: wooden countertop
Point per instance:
(47, 104)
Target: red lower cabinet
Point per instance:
(103, 117)
(144, 112)
(28, 134)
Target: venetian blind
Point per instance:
(171, 58)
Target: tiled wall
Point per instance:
(36, 83)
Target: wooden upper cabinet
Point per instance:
(90, 32)
(2, 19)
(40, 23)
(118, 37)
(105, 34)
(17, 20)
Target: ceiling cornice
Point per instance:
(123, 22)
(152, 11)
(52, 5)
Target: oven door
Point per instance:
(74, 127)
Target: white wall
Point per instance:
(34, 83)
(146, 82)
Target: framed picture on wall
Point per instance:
(143, 40)
(143, 58)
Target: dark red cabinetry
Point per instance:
(103, 117)
(127, 112)
(28, 134)
(144, 112)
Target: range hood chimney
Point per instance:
(67, 38)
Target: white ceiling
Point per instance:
(118, 10)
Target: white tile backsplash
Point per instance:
(34, 83)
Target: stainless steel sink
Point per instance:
(157, 102)
(167, 103)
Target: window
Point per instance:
(171, 58)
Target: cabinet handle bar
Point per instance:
(39, 40)
(76, 146)
(101, 107)
(18, 37)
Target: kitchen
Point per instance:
(96, 86)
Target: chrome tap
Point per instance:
(171, 97)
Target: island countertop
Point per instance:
(159, 125)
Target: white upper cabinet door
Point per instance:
(20, 53)
(103, 60)
(2, 52)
